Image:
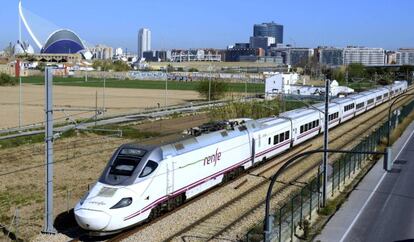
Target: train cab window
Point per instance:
(149, 168)
(275, 139)
(126, 162)
(287, 133)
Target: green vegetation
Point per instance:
(32, 139)
(7, 80)
(140, 84)
(108, 65)
(254, 109)
(128, 131)
(215, 89)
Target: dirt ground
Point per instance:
(117, 101)
(79, 162)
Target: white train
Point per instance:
(140, 182)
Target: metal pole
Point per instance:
(325, 143)
(166, 92)
(209, 86)
(104, 87)
(20, 95)
(49, 152)
(96, 106)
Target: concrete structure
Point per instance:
(274, 85)
(364, 55)
(269, 30)
(22, 48)
(330, 56)
(144, 41)
(381, 206)
(102, 52)
(405, 56)
(57, 58)
(195, 55)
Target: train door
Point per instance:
(170, 175)
(253, 149)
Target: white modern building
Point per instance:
(102, 52)
(405, 56)
(144, 41)
(364, 55)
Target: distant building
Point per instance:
(298, 56)
(102, 52)
(330, 56)
(63, 41)
(364, 55)
(262, 42)
(391, 57)
(195, 55)
(405, 56)
(234, 55)
(241, 46)
(119, 52)
(22, 48)
(144, 41)
(150, 56)
(269, 30)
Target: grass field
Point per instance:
(139, 84)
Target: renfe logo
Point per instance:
(212, 158)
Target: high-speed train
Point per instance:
(141, 182)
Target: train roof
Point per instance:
(298, 113)
(195, 142)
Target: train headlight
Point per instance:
(124, 202)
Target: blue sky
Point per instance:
(218, 23)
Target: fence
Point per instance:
(298, 211)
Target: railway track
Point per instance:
(209, 227)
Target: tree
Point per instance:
(356, 70)
(218, 89)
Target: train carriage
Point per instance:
(140, 182)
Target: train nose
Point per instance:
(92, 220)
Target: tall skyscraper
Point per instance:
(144, 41)
(269, 30)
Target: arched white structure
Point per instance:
(37, 42)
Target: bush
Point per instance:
(218, 89)
(7, 80)
(192, 69)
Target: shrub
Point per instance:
(7, 80)
(218, 89)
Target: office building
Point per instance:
(364, 55)
(405, 56)
(330, 56)
(269, 30)
(248, 54)
(299, 56)
(262, 42)
(195, 55)
(144, 41)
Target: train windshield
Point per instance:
(126, 162)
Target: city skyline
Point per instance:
(351, 23)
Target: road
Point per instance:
(381, 208)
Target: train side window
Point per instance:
(306, 127)
(282, 137)
(275, 139)
(287, 134)
(270, 140)
(301, 129)
(149, 168)
(317, 122)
